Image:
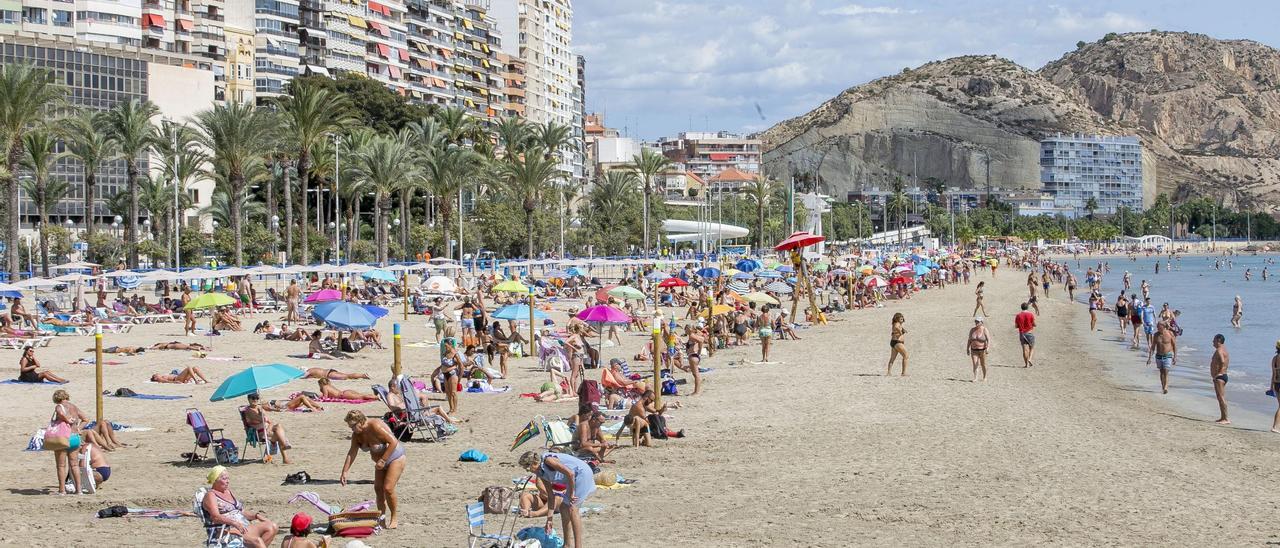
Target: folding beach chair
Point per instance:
(559, 437)
(257, 437)
(421, 420)
(476, 537)
(205, 437)
(217, 535)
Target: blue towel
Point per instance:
(472, 455)
(16, 381)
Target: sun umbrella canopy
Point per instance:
(840, 272)
(602, 294)
(721, 309)
(626, 292)
(743, 276)
(778, 287)
(786, 268)
(875, 281)
(573, 271)
(74, 278)
(748, 265)
(209, 300)
(604, 314)
(758, 297)
(119, 273)
(511, 286)
(375, 311)
(36, 282)
(380, 275)
(324, 296)
(254, 379)
(708, 272)
(672, 282)
(798, 240)
(439, 284)
(557, 273)
(517, 313)
(738, 287)
(343, 315)
(10, 291)
(657, 276)
(768, 274)
(78, 265)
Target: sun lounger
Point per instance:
(65, 329)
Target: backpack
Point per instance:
(657, 426)
(497, 499)
(588, 396)
(225, 452)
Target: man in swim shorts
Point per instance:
(1026, 323)
(1218, 372)
(1164, 348)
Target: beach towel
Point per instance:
(89, 361)
(16, 381)
(151, 397)
(115, 426)
(334, 400)
(483, 387)
(423, 344)
(223, 358)
(315, 500)
(472, 455)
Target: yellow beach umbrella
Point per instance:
(758, 297)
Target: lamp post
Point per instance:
(337, 144)
(396, 224)
(275, 238)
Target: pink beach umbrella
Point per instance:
(604, 314)
(324, 296)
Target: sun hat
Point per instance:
(215, 473)
(300, 525)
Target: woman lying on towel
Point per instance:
(126, 350)
(316, 350)
(329, 391)
(178, 345)
(190, 375)
(332, 374)
(223, 320)
(298, 401)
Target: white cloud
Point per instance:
(854, 10)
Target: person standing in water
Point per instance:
(1164, 348)
(1218, 372)
(896, 344)
(1237, 312)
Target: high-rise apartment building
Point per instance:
(706, 154)
(386, 58)
(277, 46)
(477, 84)
(238, 68)
(511, 72)
(1076, 168)
(431, 51)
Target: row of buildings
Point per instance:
(493, 58)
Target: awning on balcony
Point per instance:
(186, 25)
(153, 20)
(395, 72)
(384, 50)
(404, 55)
(357, 22)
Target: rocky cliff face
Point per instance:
(1207, 111)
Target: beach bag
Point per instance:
(669, 387)
(225, 452)
(657, 426)
(588, 396)
(497, 499)
(398, 426)
(113, 512)
(354, 524)
(57, 437)
(539, 534)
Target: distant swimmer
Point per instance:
(1237, 312)
(1146, 289)
(1248, 274)
(1218, 372)
(1164, 348)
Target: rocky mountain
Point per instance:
(1207, 112)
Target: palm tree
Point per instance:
(457, 125)
(384, 165)
(551, 137)
(181, 166)
(1090, 206)
(647, 165)
(527, 178)
(86, 139)
(760, 192)
(237, 134)
(27, 94)
(513, 135)
(219, 208)
(39, 160)
(310, 114)
(446, 173)
(130, 124)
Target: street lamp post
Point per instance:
(396, 223)
(337, 143)
(275, 238)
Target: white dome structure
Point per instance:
(693, 231)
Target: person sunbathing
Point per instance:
(332, 374)
(318, 350)
(190, 375)
(395, 402)
(298, 401)
(329, 391)
(29, 369)
(223, 320)
(178, 345)
(368, 336)
(613, 380)
(590, 441)
(126, 350)
(67, 323)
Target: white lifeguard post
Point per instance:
(816, 204)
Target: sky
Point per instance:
(656, 68)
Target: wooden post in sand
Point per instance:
(657, 360)
(395, 345)
(97, 361)
(797, 262)
(531, 324)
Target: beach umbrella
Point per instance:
(875, 281)
(324, 296)
(343, 315)
(209, 300)
(10, 291)
(778, 287)
(74, 278)
(798, 240)
(573, 271)
(657, 276)
(256, 379)
(821, 267)
(672, 282)
(738, 287)
(901, 280)
(758, 297)
(78, 265)
(517, 313)
(32, 283)
(440, 284)
(708, 272)
(375, 311)
(626, 292)
(230, 272)
(602, 294)
(604, 314)
(866, 269)
(743, 276)
(719, 309)
(769, 274)
(785, 268)
(921, 270)
(119, 274)
(748, 265)
(511, 286)
(379, 275)
(840, 272)
(557, 273)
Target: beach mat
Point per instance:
(152, 397)
(89, 361)
(16, 381)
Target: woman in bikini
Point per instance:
(977, 304)
(896, 344)
(375, 437)
(332, 374)
(190, 374)
(222, 507)
(329, 391)
(977, 346)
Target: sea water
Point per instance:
(1205, 296)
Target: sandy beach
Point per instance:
(819, 450)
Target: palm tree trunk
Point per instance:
(406, 196)
(528, 225)
(304, 181)
(44, 240)
(237, 185)
(379, 235)
(443, 210)
(288, 218)
(90, 181)
(353, 221)
(11, 186)
(130, 224)
(759, 226)
(645, 206)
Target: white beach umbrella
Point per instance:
(439, 284)
(77, 265)
(447, 267)
(120, 274)
(32, 283)
(74, 278)
(159, 276)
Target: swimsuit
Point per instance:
(396, 454)
(1222, 377)
(1163, 361)
(104, 471)
(894, 342)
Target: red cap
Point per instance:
(301, 524)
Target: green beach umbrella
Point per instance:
(511, 286)
(626, 292)
(209, 300)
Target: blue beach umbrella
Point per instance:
(375, 311)
(743, 276)
(516, 313)
(786, 268)
(557, 274)
(708, 272)
(921, 270)
(573, 271)
(254, 379)
(748, 265)
(657, 276)
(380, 275)
(768, 274)
(343, 315)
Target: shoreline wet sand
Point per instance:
(819, 450)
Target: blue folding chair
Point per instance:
(476, 537)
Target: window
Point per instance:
(35, 16)
(8, 17)
(62, 18)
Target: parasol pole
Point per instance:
(97, 373)
(798, 263)
(808, 289)
(404, 300)
(395, 345)
(531, 323)
(657, 362)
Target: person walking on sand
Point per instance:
(1218, 371)
(977, 301)
(1275, 387)
(1122, 312)
(1164, 348)
(896, 344)
(188, 316)
(1025, 321)
(977, 346)
(1237, 312)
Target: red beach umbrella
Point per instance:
(798, 240)
(672, 282)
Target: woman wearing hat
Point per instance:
(299, 528)
(222, 507)
(578, 481)
(976, 347)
